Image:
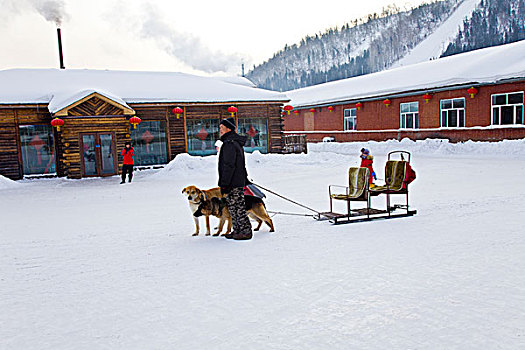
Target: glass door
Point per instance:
(98, 154)
(106, 154)
(89, 155)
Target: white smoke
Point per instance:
(186, 47)
(52, 10)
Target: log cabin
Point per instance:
(94, 113)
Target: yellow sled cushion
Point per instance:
(357, 184)
(395, 172)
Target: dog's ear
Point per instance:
(184, 190)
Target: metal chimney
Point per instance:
(60, 49)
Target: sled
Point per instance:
(398, 175)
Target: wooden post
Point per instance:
(185, 131)
(168, 133)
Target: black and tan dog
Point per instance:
(197, 196)
(217, 207)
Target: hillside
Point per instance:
(391, 39)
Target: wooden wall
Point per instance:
(9, 155)
(95, 106)
(10, 121)
(275, 128)
(177, 142)
(69, 139)
(175, 127)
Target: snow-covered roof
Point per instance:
(63, 100)
(57, 87)
(237, 80)
(484, 66)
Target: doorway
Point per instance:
(98, 154)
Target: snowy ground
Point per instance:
(91, 264)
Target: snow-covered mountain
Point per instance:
(392, 39)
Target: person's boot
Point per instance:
(243, 236)
(123, 181)
(229, 235)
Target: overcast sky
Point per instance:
(202, 37)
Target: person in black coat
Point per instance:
(233, 178)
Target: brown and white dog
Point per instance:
(197, 196)
(217, 207)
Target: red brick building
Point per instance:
(471, 96)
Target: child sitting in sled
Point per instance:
(367, 160)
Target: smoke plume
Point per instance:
(186, 47)
(51, 10)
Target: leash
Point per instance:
(289, 200)
(283, 213)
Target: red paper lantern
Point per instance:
(177, 111)
(134, 121)
(387, 102)
(472, 92)
(288, 108)
(427, 97)
(312, 110)
(359, 105)
(232, 110)
(331, 108)
(296, 112)
(57, 123)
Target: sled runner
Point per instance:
(398, 175)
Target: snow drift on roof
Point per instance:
(27, 86)
(61, 100)
(487, 65)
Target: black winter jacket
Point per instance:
(232, 168)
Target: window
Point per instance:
(202, 135)
(409, 115)
(350, 119)
(452, 113)
(149, 143)
(38, 149)
(507, 109)
(256, 131)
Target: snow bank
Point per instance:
(7, 183)
(185, 165)
(436, 147)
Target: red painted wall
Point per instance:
(374, 115)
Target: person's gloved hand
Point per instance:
(226, 190)
(374, 175)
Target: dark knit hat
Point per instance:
(229, 123)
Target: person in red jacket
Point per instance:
(366, 162)
(127, 162)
